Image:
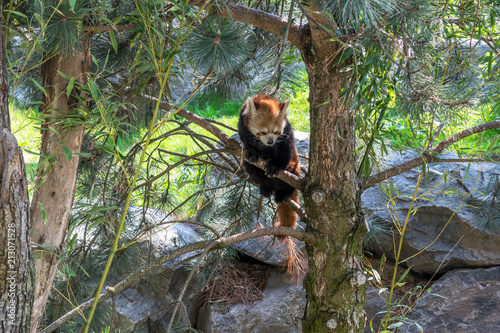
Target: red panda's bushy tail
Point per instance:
(287, 217)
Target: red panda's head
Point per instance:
(265, 118)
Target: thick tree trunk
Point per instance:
(335, 282)
(57, 178)
(16, 266)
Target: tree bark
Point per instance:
(56, 181)
(16, 265)
(4, 83)
(335, 282)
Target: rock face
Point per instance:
(468, 302)
(280, 311)
(134, 311)
(266, 250)
(465, 224)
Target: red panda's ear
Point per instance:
(284, 108)
(250, 108)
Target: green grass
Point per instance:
(402, 133)
(26, 130)
(226, 111)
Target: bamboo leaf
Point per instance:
(114, 43)
(67, 153)
(86, 155)
(70, 86)
(44, 214)
(42, 89)
(396, 325)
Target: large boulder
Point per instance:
(455, 220)
(462, 301)
(147, 305)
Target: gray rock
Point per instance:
(280, 311)
(375, 308)
(267, 250)
(468, 302)
(464, 241)
(136, 312)
(147, 305)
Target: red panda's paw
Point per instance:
(251, 155)
(271, 170)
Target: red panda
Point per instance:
(267, 134)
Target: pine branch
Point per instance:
(260, 19)
(174, 253)
(394, 61)
(428, 156)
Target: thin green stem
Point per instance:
(401, 237)
(122, 219)
(152, 129)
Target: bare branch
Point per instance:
(299, 210)
(450, 104)
(260, 19)
(428, 156)
(174, 253)
(434, 136)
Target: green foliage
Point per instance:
(219, 44)
(62, 22)
(355, 13)
(25, 127)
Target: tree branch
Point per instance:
(174, 253)
(428, 156)
(260, 19)
(231, 144)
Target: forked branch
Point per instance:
(260, 19)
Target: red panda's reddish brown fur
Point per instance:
(267, 134)
(287, 217)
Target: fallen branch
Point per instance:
(198, 246)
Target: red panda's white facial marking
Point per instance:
(266, 119)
